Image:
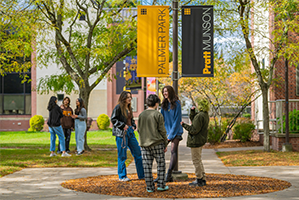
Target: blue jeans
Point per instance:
(80, 128)
(59, 132)
(129, 140)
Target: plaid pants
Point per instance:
(148, 155)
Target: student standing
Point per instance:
(153, 142)
(80, 117)
(172, 113)
(67, 123)
(197, 137)
(123, 128)
(55, 114)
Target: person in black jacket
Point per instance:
(55, 128)
(123, 128)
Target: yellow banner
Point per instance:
(153, 41)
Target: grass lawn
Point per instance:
(20, 150)
(259, 158)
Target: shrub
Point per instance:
(103, 121)
(214, 134)
(243, 130)
(247, 115)
(36, 123)
(293, 121)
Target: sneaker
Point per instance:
(68, 151)
(198, 182)
(124, 179)
(163, 189)
(65, 155)
(53, 154)
(79, 153)
(150, 191)
(59, 152)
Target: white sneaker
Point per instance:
(53, 154)
(124, 179)
(65, 154)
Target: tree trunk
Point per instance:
(84, 94)
(266, 118)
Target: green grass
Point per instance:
(22, 149)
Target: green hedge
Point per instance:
(36, 123)
(243, 130)
(103, 122)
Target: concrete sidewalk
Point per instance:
(44, 183)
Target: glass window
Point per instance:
(28, 104)
(14, 104)
(12, 84)
(1, 103)
(1, 84)
(28, 85)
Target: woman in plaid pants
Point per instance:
(153, 142)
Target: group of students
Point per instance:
(156, 130)
(61, 121)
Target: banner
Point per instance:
(197, 41)
(153, 41)
(126, 76)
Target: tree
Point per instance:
(15, 37)
(279, 47)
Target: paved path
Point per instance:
(44, 183)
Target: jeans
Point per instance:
(67, 136)
(129, 140)
(59, 132)
(80, 128)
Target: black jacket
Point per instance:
(55, 114)
(119, 122)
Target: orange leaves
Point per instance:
(218, 185)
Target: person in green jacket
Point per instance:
(153, 143)
(197, 137)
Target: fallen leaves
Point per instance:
(259, 158)
(218, 185)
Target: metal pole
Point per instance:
(144, 89)
(175, 45)
(287, 100)
(175, 55)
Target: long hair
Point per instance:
(68, 99)
(78, 108)
(122, 102)
(171, 96)
(52, 103)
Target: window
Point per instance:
(15, 96)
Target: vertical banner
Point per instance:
(197, 41)
(153, 41)
(126, 76)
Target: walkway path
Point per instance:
(44, 183)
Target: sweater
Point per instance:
(198, 130)
(55, 114)
(67, 121)
(82, 116)
(173, 118)
(151, 128)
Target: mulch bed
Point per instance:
(218, 185)
(231, 144)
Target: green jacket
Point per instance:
(198, 130)
(151, 128)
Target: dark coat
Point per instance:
(55, 114)
(119, 122)
(198, 130)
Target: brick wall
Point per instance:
(277, 142)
